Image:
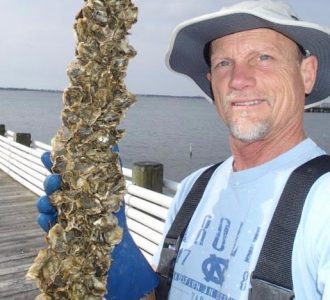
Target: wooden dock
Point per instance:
(20, 239)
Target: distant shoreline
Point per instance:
(59, 91)
(29, 90)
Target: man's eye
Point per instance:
(264, 57)
(222, 63)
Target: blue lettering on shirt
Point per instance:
(200, 287)
(221, 235)
(214, 269)
(202, 232)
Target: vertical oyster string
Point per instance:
(76, 261)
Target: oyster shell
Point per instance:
(76, 262)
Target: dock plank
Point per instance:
(20, 239)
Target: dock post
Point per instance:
(23, 138)
(2, 129)
(148, 174)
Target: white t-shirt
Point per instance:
(224, 238)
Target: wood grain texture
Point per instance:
(20, 239)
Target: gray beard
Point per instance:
(257, 132)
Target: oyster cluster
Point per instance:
(76, 261)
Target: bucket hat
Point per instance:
(187, 49)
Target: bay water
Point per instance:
(182, 133)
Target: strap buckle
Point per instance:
(263, 290)
(168, 258)
(172, 243)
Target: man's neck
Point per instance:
(249, 155)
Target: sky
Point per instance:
(37, 41)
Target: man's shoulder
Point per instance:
(319, 194)
(316, 212)
(188, 181)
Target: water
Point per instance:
(161, 129)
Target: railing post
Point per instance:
(23, 138)
(2, 129)
(148, 174)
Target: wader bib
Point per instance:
(272, 277)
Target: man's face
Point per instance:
(259, 82)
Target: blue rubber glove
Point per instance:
(47, 213)
(130, 276)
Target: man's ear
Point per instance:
(309, 72)
(208, 76)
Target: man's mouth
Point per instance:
(247, 103)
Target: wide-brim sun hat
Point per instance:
(187, 50)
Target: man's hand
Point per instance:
(130, 276)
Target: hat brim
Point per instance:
(187, 47)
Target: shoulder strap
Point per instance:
(274, 264)
(189, 205)
(177, 230)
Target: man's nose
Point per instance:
(242, 76)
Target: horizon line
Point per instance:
(61, 91)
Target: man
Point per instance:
(260, 66)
